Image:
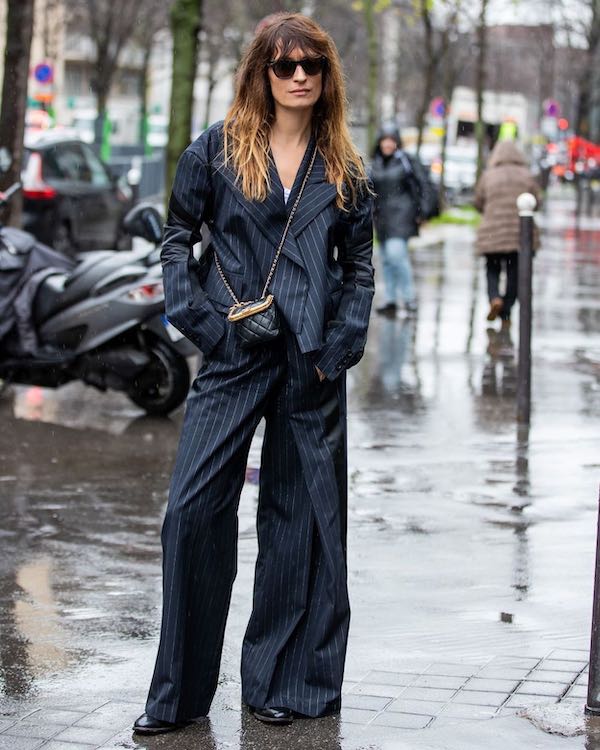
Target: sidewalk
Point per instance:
(471, 548)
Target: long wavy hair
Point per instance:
(248, 123)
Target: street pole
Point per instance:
(526, 204)
(593, 694)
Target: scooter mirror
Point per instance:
(144, 221)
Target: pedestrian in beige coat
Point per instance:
(505, 178)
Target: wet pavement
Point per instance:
(471, 544)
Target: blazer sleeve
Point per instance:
(187, 305)
(346, 335)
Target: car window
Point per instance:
(50, 167)
(99, 175)
(71, 163)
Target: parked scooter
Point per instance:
(104, 323)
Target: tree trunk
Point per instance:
(19, 30)
(428, 78)
(372, 65)
(186, 18)
(211, 83)
(480, 83)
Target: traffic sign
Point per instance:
(43, 73)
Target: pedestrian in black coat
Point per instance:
(402, 190)
(243, 178)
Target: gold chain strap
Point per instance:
(281, 244)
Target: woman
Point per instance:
(400, 183)
(284, 137)
(496, 193)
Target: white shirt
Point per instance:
(286, 194)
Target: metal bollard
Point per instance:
(526, 204)
(593, 694)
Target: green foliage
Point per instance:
(463, 216)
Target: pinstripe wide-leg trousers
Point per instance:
(295, 644)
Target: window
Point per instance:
(98, 172)
(72, 164)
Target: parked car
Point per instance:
(71, 200)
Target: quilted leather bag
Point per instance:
(257, 321)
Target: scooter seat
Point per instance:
(61, 290)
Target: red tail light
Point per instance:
(34, 186)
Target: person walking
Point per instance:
(402, 190)
(279, 305)
(505, 178)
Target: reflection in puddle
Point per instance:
(33, 643)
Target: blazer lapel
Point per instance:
(318, 194)
(270, 215)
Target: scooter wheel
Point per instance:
(164, 384)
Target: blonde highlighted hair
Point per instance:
(248, 123)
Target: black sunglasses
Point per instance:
(285, 68)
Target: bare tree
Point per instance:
(19, 30)
(111, 26)
(155, 19)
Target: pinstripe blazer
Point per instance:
(323, 285)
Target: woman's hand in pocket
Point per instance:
(320, 373)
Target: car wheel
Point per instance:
(63, 240)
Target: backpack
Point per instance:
(423, 191)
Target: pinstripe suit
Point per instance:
(294, 648)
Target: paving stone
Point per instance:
(39, 731)
(357, 715)
(442, 721)
(425, 708)
(547, 675)
(427, 694)
(368, 688)
(86, 735)
(551, 689)
(54, 716)
(370, 702)
(490, 685)
(570, 654)
(453, 670)
(381, 677)
(520, 700)
(54, 745)
(509, 711)
(516, 662)
(401, 721)
(465, 711)
(573, 701)
(444, 681)
(5, 724)
(115, 708)
(502, 673)
(577, 691)
(479, 698)
(557, 665)
(98, 721)
(8, 742)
